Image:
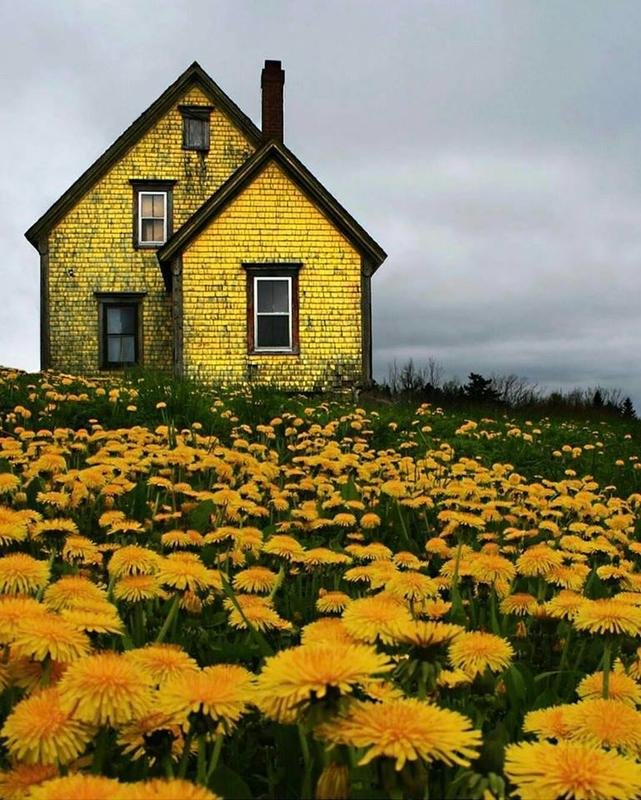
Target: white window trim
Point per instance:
(288, 280)
(148, 242)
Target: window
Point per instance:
(152, 212)
(152, 217)
(120, 329)
(196, 127)
(272, 308)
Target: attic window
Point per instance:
(196, 127)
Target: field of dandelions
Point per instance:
(223, 594)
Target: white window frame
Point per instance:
(288, 280)
(147, 242)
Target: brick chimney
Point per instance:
(272, 81)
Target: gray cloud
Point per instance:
(492, 148)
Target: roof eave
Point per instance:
(193, 74)
(243, 176)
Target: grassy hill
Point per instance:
(233, 592)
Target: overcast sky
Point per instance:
(492, 148)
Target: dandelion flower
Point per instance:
(184, 571)
(571, 770)
(549, 723)
(133, 560)
(136, 588)
(255, 579)
(328, 630)
(22, 574)
(293, 678)
(332, 602)
(72, 590)
(105, 689)
(424, 634)
(405, 730)
(476, 651)
(371, 618)
(78, 787)
(621, 688)
(160, 789)
(608, 616)
(16, 783)
(221, 692)
(49, 636)
(606, 723)
(163, 661)
(39, 731)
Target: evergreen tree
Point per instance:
(627, 409)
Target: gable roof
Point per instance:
(273, 151)
(193, 75)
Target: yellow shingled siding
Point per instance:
(91, 248)
(272, 221)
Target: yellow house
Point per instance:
(199, 244)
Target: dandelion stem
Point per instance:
(173, 610)
(607, 647)
(306, 790)
(215, 756)
(182, 769)
(201, 776)
(100, 751)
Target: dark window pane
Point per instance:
(196, 133)
(121, 349)
(121, 319)
(273, 296)
(149, 228)
(273, 331)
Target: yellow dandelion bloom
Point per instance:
(549, 723)
(412, 586)
(49, 637)
(422, 634)
(476, 651)
(332, 602)
(133, 560)
(370, 520)
(621, 687)
(538, 560)
(105, 689)
(22, 574)
(184, 571)
(405, 730)
(520, 604)
(284, 547)
(255, 610)
(571, 770)
(136, 588)
(16, 783)
(72, 590)
(326, 630)
(222, 693)
(160, 789)
(78, 787)
(293, 678)
(8, 483)
(606, 723)
(608, 616)
(565, 605)
(14, 611)
(163, 661)
(255, 579)
(13, 525)
(39, 731)
(99, 617)
(381, 617)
